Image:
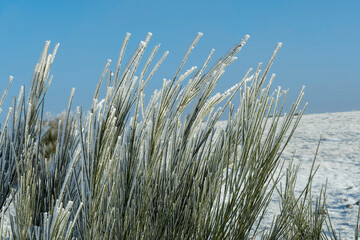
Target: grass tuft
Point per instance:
(126, 169)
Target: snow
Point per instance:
(339, 164)
(339, 159)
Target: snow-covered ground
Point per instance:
(339, 164)
(339, 159)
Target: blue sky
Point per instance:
(321, 43)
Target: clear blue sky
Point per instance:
(321, 43)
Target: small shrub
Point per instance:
(130, 170)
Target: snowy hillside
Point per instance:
(339, 159)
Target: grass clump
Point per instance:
(125, 169)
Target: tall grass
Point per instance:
(126, 169)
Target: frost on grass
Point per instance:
(126, 169)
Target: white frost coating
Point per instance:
(243, 41)
(200, 34)
(100, 104)
(248, 79)
(217, 95)
(280, 44)
(187, 73)
(142, 44)
(271, 79)
(227, 92)
(190, 70)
